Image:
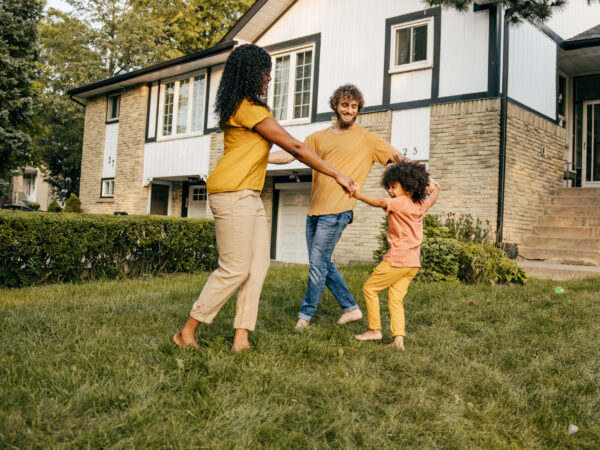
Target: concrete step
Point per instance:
(572, 210)
(575, 200)
(569, 221)
(532, 240)
(578, 192)
(567, 232)
(549, 271)
(561, 255)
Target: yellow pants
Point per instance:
(396, 281)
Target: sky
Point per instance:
(58, 4)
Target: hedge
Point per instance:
(37, 248)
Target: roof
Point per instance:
(589, 38)
(203, 58)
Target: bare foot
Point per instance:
(184, 341)
(397, 343)
(369, 335)
(350, 316)
(301, 324)
(240, 340)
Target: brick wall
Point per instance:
(92, 158)
(530, 176)
(360, 238)
(463, 157)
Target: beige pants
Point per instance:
(242, 240)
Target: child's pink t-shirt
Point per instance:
(405, 230)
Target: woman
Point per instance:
(234, 193)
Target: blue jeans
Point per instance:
(322, 235)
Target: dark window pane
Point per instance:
(402, 46)
(595, 149)
(588, 159)
(419, 43)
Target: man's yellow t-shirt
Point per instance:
(244, 162)
(351, 152)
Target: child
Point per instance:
(412, 193)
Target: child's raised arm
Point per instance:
(434, 190)
(370, 199)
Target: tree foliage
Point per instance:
(18, 34)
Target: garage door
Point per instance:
(291, 222)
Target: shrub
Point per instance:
(439, 259)
(487, 264)
(73, 204)
(40, 248)
(54, 207)
(34, 206)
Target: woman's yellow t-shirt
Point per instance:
(244, 162)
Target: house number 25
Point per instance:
(405, 151)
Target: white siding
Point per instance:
(152, 110)
(464, 52)
(410, 133)
(300, 132)
(110, 150)
(409, 86)
(352, 41)
(177, 157)
(532, 68)
(215, 78)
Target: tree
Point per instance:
(18, 36)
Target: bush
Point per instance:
(34, 206)
(41, 248)
(73, 204)
(458, 248)
(54, 207)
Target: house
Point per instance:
(28, 186)
(433, 82)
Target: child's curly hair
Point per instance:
(411, 175)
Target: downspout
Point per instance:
(503, 124)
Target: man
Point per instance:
(351, 149)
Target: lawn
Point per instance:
(92, 365)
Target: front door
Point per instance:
(159, 204)
(591, 144)
(291, 223)
(197, 202)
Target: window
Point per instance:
(292, 76)
(562, 100)
(412, 46)
(29, 185)
(108, 187)
(112, 110)
(199, 193)
(182, 106)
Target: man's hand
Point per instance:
(347, 183)
(397, 157)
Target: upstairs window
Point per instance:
(292, 74)
(112, 109)
(181, 106)
(412, 46)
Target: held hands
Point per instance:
(347, 183)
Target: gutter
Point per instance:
(503, 124)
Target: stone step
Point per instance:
(561, 255)
(578, 192)
(569, 221)
(551, 210)
(566, 231)
(532, 240)
(575, 200)
(539, 269)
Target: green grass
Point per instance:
(92, 365)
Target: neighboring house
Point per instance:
(432, 81)
(29, 187)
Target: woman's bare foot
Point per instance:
(369, 335)
(397, 343)
(350, 316)
(240, 340)
(186, 337)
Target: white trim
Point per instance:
(419, 65)
(290, 186)
(108, 108)
(585, 148)
(106, 182)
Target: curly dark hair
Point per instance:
(346, 91)
(243, 77)
(411, 175)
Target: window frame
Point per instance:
(161, 103)
(203, 193)
(562, 118)
(110, 119)
(103, 192)
(293, 52)
(416, 65)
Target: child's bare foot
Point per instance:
(184, 341)
(397, 343)
(350, 316)
(240, 340)
(369, 335)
